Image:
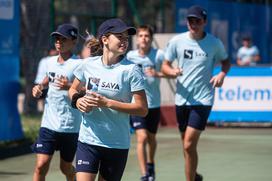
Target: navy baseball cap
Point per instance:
(66, 30)
(197, 12)
(114, 25)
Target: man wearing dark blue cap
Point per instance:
(60, 123)
(197, 12)
(197, 53)
(67, 31)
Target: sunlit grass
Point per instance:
(31, 125)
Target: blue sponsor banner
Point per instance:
(230, 21)
(10, 125)
(246, 96)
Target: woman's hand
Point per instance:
(91, 100)
(62, 83)
(37, 91)
(84, 104)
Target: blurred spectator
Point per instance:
(248, 54)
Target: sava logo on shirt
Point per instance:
(189, 54)
(92, 81)
(110, 85)
(51, 76)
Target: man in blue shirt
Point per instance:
(197, 52)
(150, 60)
(60, 122)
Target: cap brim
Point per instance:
(194, 16)
(130, 30)
(58, 33)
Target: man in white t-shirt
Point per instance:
(248, 54)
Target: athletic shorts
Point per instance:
(49, 141)
(150, 122)
(109, 162)
(193, 116)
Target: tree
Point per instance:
(35, 31)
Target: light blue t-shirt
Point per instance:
(104, 126)
(197, 60)
(58, 114)
(245, 53)
(154, 60)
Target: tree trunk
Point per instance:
(35, 31)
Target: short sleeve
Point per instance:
(256, 50)
(160, 56)
(79, 72)
(42, 70)
(128, 55)
(136, 79)
(239, 53)
(170, 51)
(221, 53)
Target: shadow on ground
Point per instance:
(15, 149)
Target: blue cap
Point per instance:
(197, 12)
(114, 25)
(67, 31)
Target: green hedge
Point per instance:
(31, 125)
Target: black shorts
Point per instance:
(150, 122)
(109, 161)
(49, 141)
(193, 116)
